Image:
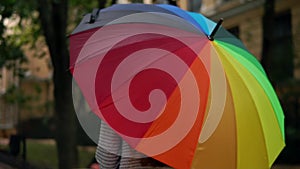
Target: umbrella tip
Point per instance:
(211, 36)
(94, 15)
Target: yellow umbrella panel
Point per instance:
(250, 133)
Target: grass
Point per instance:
(41, 154)
(44, 154)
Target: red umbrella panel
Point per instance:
(140, 79)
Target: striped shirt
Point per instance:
(113, 152)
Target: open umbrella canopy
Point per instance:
(177, 87)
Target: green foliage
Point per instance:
(30, 20)
(18, 26)
(44, 154)
(79, 9)
(14, 95)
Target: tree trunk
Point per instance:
(53, 17)
(268, 34)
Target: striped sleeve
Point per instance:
(108, 149)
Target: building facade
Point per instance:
(244, 18)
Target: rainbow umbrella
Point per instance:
(177, 87)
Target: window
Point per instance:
(282, 65)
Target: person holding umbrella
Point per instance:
(114, 152)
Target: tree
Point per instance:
(54, 17)
(11, 54)
(54, 23)
(268, 34)
(13, 34)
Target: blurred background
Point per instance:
(38, 126)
